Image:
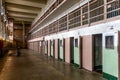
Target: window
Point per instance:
(74, 18)
(85, 14)
(109, 42)
(113, 8)
(50, 28)
(76, 42)
(55, 27)
(52, 43)
(63, 23)
(96, 10)
(60, 43)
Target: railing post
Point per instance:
(88, 13)
(67, 22)
(105, 10)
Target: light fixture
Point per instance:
(111, 28)
(83, 16)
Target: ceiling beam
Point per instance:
(21, 10)
(21, 15)
(38, 1)
(28, 3)
(23, 6)
(20, 22)
(23, 19)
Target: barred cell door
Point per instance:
(72, 50)
(61, 55)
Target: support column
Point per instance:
(23, 34)
(11, 33)
(0, 20)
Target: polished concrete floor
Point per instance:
(34, 66)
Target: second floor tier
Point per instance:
(83, 14)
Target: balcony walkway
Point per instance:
(34, 66)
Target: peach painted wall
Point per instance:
(56, 48)
(67, 50)
(48, 47)
(87, 52)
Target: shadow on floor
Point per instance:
(3, 60)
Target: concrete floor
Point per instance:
(35, 66)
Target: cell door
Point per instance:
(52, 48)
(43, 47)
(62, 50)
(97, 53)
(46, 47)
(76, 52)
(72, 50)
(39, 46)
(58, 49)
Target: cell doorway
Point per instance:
(97, 53)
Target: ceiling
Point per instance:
(24, 10)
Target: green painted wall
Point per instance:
(76, 55)
(51, 50)
(61, 52)
(110, 61)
